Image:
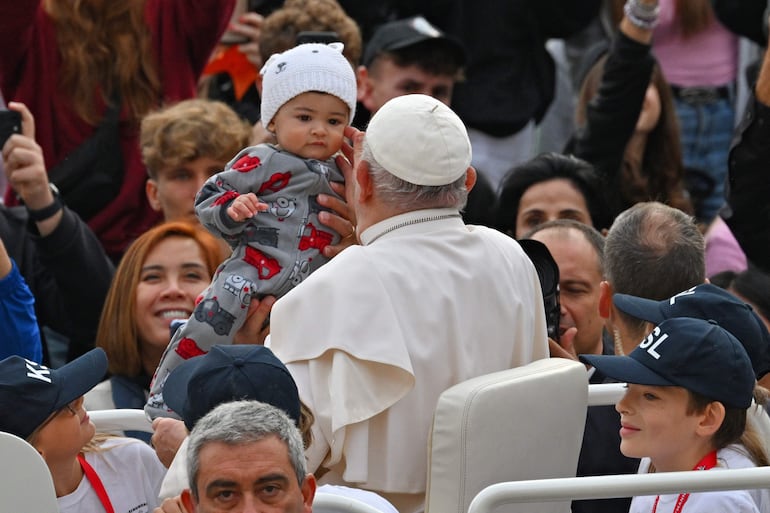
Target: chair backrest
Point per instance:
(518, 424)
(26, 483)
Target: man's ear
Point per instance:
(605, 299)
(364, 181)
(470, 178)
(308, 492)
(711, 419)
(151, 189)
(364, 86)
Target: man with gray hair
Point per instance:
(247, 454)
(652, 251)
(375, 336)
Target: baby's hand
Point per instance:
(245, 206)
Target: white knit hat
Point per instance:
(304, 68)
(420, 140)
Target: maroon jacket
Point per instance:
(184, 33)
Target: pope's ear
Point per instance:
(470, 178)
(364, 180)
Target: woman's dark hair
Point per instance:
(660, 176)
(542, 168)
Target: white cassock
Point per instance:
(374, 337)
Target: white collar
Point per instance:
(396, 222)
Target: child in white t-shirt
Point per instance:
(690, 383)
(90, 473)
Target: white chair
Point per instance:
(523, 423)
(605, 393)
(603, 487)
(26, 483)
(108, 421)
(333, 503)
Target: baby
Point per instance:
(264, 203)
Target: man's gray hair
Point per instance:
(394, 191)
(241, 423)
(654, 251)
(564, 226)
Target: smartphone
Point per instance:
(309, 36)
(10, 123)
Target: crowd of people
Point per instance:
(283, 229)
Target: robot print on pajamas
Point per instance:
(272, 252)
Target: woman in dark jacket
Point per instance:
(627, 126)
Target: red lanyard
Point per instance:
(96, 484)
(709, 461)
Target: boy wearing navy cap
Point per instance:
(45, 407)
(690, 383)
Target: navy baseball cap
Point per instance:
(229, 373)
(708, 301)
(30, 392)
(399, 34)
(690, 353)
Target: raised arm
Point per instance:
(69, 274)
(21, 335)
(748, 214)
(612, 114)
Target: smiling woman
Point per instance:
(158, 280)
(545, 188)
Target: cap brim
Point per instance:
(452, 44)
(175, 387)
(625, 369)
(80, 375)
(641, 308)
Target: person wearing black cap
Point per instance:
(410, 56)
(226, 373)
(233, 373)
(45, 407)
(405, 57)
(690, 384)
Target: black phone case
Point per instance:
(10, 123)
